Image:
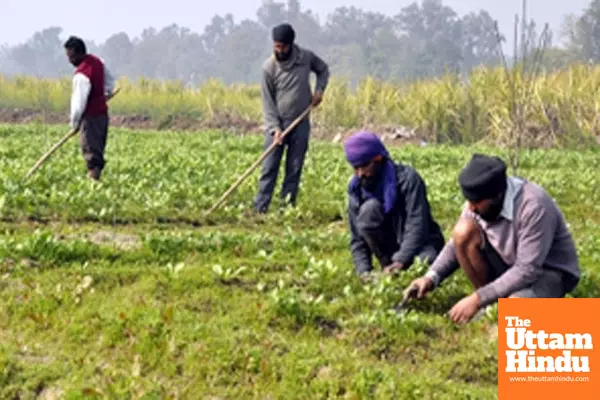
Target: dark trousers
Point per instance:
(296, 143)
(381, 237)
(94, 132)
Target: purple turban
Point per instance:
(360, 149)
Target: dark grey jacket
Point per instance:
(411, 220)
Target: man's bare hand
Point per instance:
(278, 136)
(465, 309)
(317, 98)
(110, 95)
(422, 285)
(393, 268)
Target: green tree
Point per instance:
(435, 34)
(584, 33)
(480, 40)
(42, 55)
(118, 51)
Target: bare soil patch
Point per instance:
(223, 121)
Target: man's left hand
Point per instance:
(393, 268)
(464, 310)
(317, 98)
(75, 126)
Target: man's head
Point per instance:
(483, 184)
(366, 153)
(75, 49)
(283, 39)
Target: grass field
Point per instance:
(122, 289)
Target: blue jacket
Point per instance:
(411, 220)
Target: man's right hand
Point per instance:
(317, 98)
(278, 136)
(422, 285)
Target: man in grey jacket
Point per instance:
(388, 210)
(286, 93)
(511, 241)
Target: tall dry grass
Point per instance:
(563, 107)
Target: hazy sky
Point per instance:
(19, 19)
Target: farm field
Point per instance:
(123, 289)
(562, 107)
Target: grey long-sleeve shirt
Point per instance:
(285, 88)
(531, 235)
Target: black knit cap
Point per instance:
(484, 177)
(284, 33)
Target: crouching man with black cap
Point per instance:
(286, 94)
(511, 241)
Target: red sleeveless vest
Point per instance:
(92, 67)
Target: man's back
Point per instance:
(562, 250)
(412, 189)
(93, 68)
(534, 213)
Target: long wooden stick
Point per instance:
(49, 152)
(58, 144)
(258, 161)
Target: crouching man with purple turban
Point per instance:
(388, 210)
(511, 240)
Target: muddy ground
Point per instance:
(19, 115)
(535, 137)
(223, 121)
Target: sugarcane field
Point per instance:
(299, 200)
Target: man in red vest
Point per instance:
(93, 84)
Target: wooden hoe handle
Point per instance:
(258, 161)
